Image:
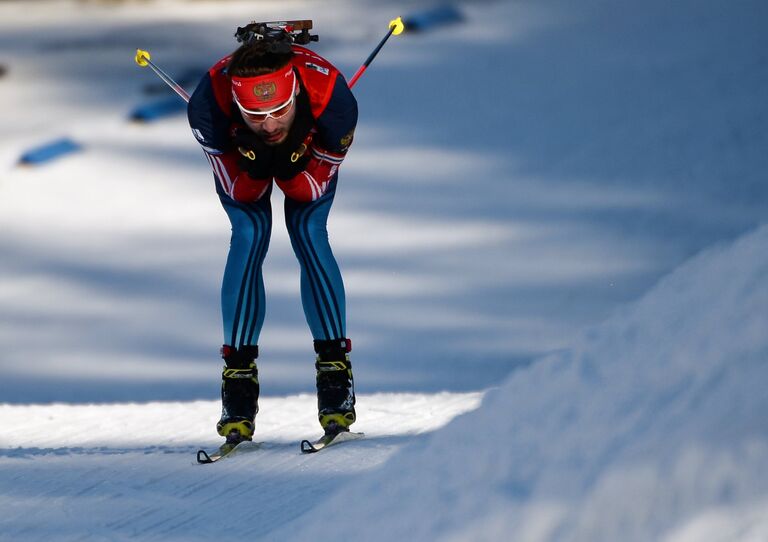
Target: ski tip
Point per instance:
(203, 458)
(307, 447)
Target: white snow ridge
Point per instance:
(652, 428)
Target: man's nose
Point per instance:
(270, 125)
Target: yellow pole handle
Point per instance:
(142, 58)
(398, 26)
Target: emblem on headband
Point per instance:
(265, 91)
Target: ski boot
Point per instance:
(239, 394)
(335, 386)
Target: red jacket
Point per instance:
(214, 119)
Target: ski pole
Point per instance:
(396, 27)
(143, 60)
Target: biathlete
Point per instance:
(274, 112)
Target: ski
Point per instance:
(325, 441)
(227, 450)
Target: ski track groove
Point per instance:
(82, 492)
(153, 528)
(132, 519)
(195, 489)
(128, 490)
(278, 459)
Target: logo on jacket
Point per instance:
(324, 71)
(265, 91)
(346, 141)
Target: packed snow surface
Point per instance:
(652, 427)
(550, 229)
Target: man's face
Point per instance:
(274, 129)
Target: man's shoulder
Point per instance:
(314, 69)
(214, 88)
(303, 56)
(318, 76)
(218, 72)
(221, 65)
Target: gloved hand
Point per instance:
(246, 189)
(263, 161)
(256, 157)
(290, 160)
(312, 183)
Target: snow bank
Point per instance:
(651, 428)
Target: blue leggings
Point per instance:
(242, 292)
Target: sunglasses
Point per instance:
(276, 113)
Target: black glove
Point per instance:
(290, 160)
(256, 157)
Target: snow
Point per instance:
(554, 208)
(649, 422)
(125, 471)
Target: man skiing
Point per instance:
(274, 111)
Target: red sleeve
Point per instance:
(237, 184)
(313, 182)
(209, 119)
